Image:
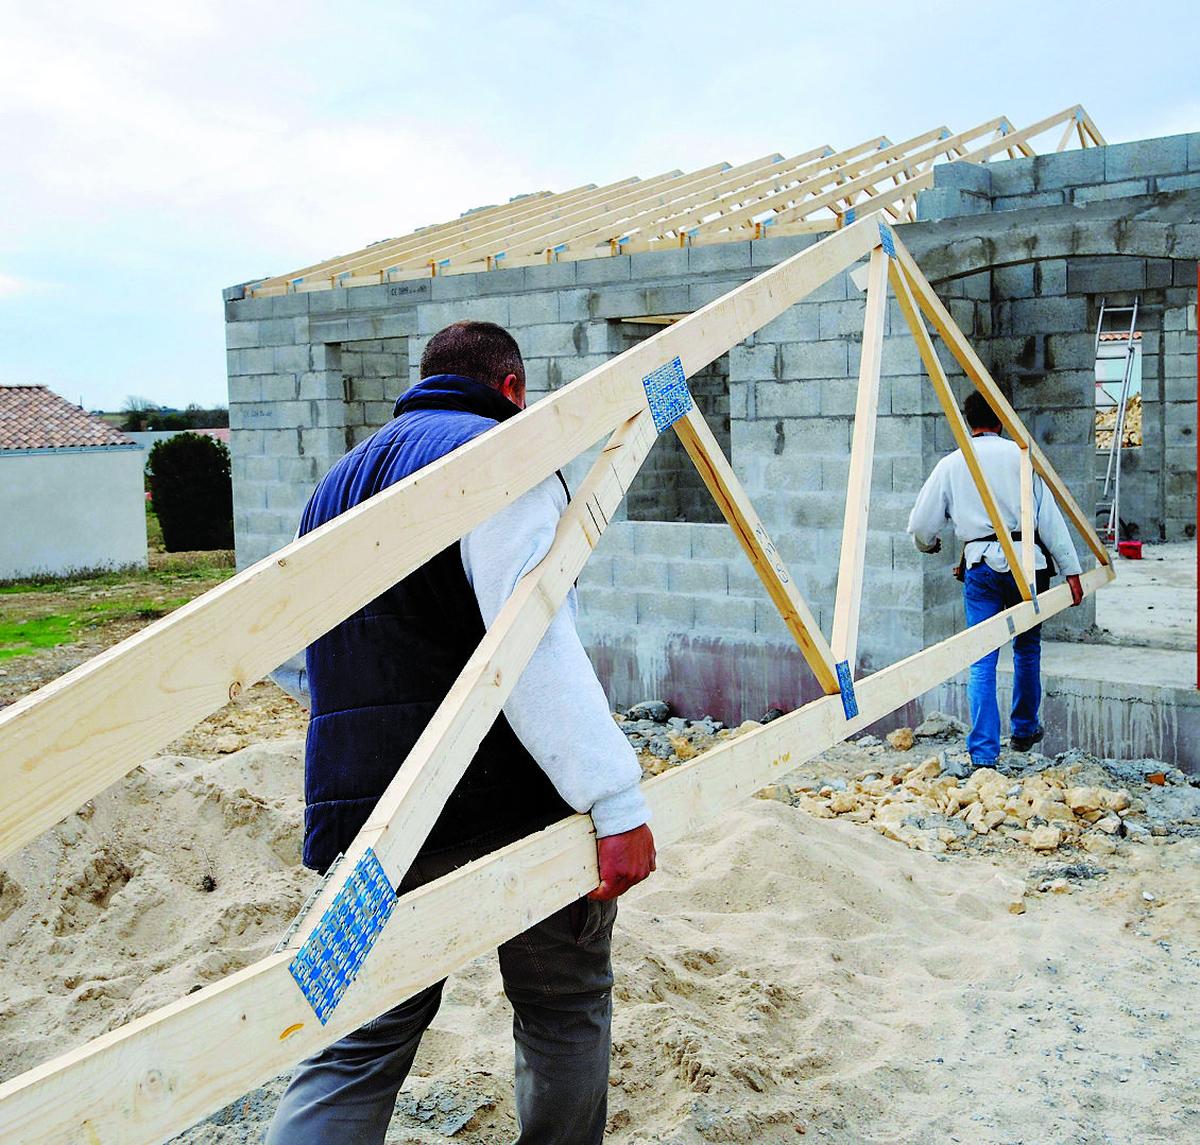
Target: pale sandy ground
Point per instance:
(780, 977)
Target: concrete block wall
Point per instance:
(672, 606)
(669, 487)
(1045, 312)
(1118, 171)
(308, 375)
(1043, 352)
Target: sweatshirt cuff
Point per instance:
(620, 812)
(924, 545)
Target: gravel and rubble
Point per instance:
(917, 786)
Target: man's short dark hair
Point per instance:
(482, 351)
(978, 413)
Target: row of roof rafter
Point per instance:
(816, 190)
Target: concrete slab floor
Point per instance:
(1152, 603)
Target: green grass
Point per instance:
(60, 611)
(27, 635)
(24, 637)
(20, 638)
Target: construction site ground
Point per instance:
(866, 954)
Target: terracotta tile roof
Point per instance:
(33, 417)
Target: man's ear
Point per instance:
(514, 389)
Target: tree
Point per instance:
(192, 492)
(138, 411)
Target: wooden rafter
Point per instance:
(814, 191)
(160, 1073)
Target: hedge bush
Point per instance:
(192, 492)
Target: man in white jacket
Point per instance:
(376, 680)
(989, 587)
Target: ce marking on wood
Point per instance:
(771, 553)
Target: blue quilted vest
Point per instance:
(377, 678)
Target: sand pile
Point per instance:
(782, 976)
(182, 873)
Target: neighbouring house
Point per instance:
(71, 489)
(147, 439)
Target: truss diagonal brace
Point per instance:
(958, 425)
(862, 456)
(408, 809)
(734, 503)
(965, 354)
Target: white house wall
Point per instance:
(64, 510)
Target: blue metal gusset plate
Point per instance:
(668, 394)
(846, 684)
(331, 958)
(885, 239)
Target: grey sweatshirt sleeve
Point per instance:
(1052, 528)
(931, 512)
(557, 708)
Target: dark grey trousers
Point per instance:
(557, 976)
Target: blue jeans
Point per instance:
(985, 594)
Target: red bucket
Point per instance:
(1130, 550)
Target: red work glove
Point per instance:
(1076, 590)
(625, 860)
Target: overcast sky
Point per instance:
(155, 152)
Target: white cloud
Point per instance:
(142, 115)
(11, 286)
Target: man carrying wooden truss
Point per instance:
(377, 679)
(144, 1082)
(989, 585)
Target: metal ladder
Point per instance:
(1108, 508)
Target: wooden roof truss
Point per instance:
(819, 190)
(62, 745)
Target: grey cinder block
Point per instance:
(660, 610)
(727, 614)
(552, 274)
(1106, 191)
(653, 264)
(718, 256)
(1014, 281)
(815, 360)
(662, 538)
(289, 305)
(753, 363)
(533, 309)
(603, 269)
(433, 316)
(708, 578)
(1100, 275)
(1142, 157)
(773, 250)
(799, 323)
(1021, 202)
(240, 335)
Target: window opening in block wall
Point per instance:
(1110, 377)
(668, 487)
(374, 374)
